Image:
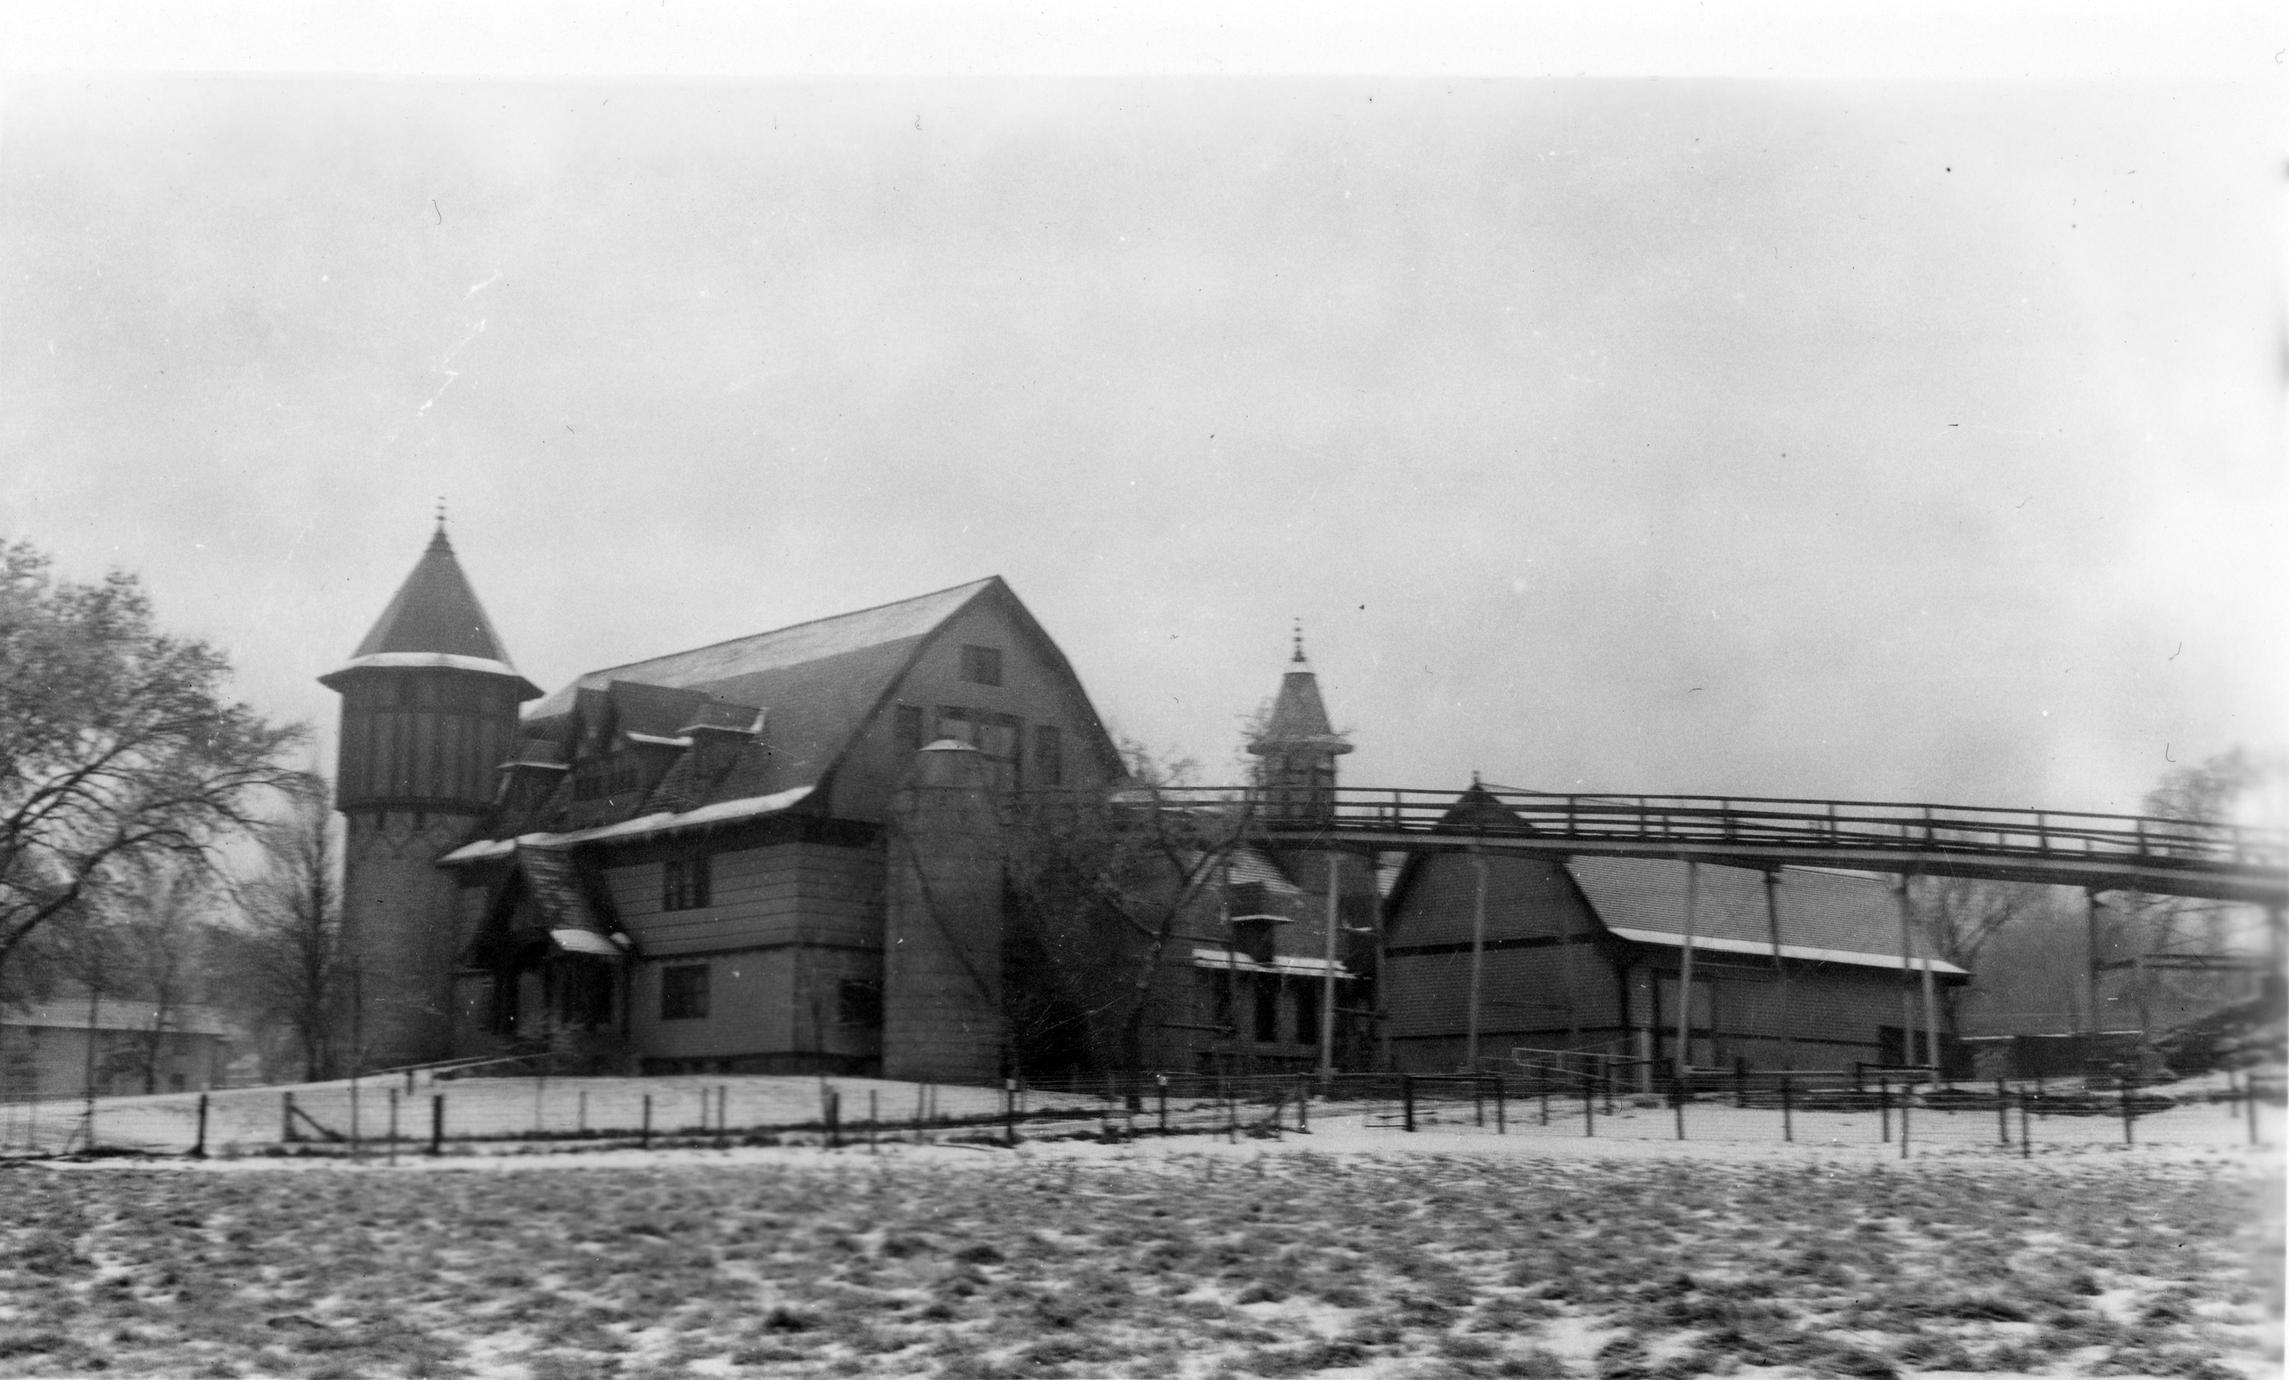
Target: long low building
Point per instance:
(1803, 970)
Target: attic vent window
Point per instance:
(684, 883)
(981, 665)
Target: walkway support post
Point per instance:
(1907, 968)
(1685, 973)
(199, 1146)
(2090, 972)
(1477, 954)
(1780, 969)
(1931, 1023)
(1327, 978)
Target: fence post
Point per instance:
(1501, 1107)
(1478, 1101)
(1160, 1088)
(436, 1124)
(2128, 1137)
(286, 1130)
(1859, 1073)
(2002, 1115)
(1606, 1075)
(873, 1119)
(2026, 1137)
(1589, 1107)
(834, 1121)
(1884, 1108)
(199, 1146)
(1303, 1102)
(583, 1123)
(2250, 1087)
(722, 1114)
(644, 1137)
(1545, 1096)
(1787, 1108)
(1907, 1098)
(1677, 1100)
(393, 1126)
(1009, 1110)
(1740, 1081)
(1407, 1098)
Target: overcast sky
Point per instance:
(1903, 439)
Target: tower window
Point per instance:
(860, 1002)
(683, 992)
(981, 665)
(685, 883)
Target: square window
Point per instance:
(861, 1002)
(981, 665)
(683, 992)
(685, 883)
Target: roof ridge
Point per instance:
(773, 632)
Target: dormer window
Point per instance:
(981, 665)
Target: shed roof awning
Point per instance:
(584, 942)
(1802, 952)
(1227, 960)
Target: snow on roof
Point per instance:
(903, 621)
(664, 822)
(1830, 916)
(71, 1013)
(1281, 963)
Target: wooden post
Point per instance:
(1677, 1100)
(873, 1119)
(1160, 1087)
(1740, 1080)
(1545, 1104)
(2251, 1087)
(286, 1131)
(583, 1124)
(1589, 1108)
(644, 1137)
(1303, 1104)
(2090, 947)
(1478, 1100)
(2128, 1136)
(436, 1124)
(1407, 1099)
(1907, 1099)
(1009, 1110)
(2002, 1115)
(392, 1126)
(1907, 969)
(1501, 1107)
(1685, 972)
(1787, 1108)
(920, 1108)
(1780, 969)
(2026, 1138)
(1327, 976)
(1884, 1107)
(1477, 957)
(1931, 1025)
(199, 1146)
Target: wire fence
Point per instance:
(432, 1112)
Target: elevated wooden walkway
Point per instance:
(2095, 852)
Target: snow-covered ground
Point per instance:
(1353, 1251)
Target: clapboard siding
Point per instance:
(1519, 989)
(788, 893)
(750, 1009)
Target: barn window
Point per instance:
(861, 1002)
(683, 992)
(981, 665)
(906, 732)
(1048, 755)
(685, 883)
(1307, 1012)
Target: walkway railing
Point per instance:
(2068, 847)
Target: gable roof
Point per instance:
(816, 685)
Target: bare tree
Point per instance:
(286, 959)
(1963, 916)
(118, 746)
(153, 938)
(1101, 886)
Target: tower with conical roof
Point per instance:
(429, 712)
(1296, 748)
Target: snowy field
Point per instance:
(1353, 1251)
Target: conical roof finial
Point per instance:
(1299, 640)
